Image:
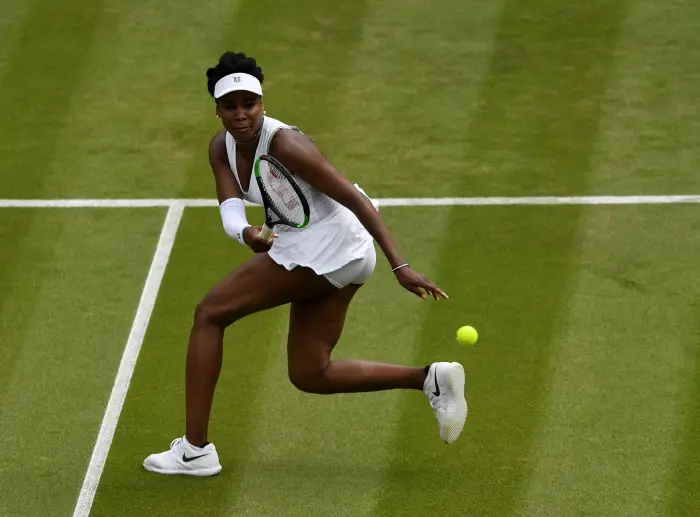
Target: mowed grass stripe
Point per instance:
(409, 95)
(541, 113)
(683, 482)
(648, 129)
(14, 13)
(678, 47)
(622, 371)
(534, 131)
(650, 135)
(141, 116)
(331, 451)
(43, 72)
(64, 327)
(391, 83)
(34, 111)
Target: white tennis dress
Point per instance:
(334, 236)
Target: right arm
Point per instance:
(226, 184)
(230, 197)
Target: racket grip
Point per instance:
(266, 233)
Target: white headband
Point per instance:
(233, 82)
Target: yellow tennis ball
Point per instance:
(467, 335)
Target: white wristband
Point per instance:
(233, 216)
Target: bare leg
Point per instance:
(256, 285)
(314, 329)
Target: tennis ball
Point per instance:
(467, 335)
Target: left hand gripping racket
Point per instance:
(283, 199)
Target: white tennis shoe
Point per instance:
(444, 387)
(183, 458)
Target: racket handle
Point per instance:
(266, 233)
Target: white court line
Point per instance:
(406, 201)
(128, 361)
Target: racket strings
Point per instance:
(283, 199)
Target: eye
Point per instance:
(249, 105)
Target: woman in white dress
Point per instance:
(317, 270)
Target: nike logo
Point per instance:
(187, 460)
(437, 387)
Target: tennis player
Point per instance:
(316, 269)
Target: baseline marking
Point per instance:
(383, 202)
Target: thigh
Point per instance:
(259, 284)
(315, 327)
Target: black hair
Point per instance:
(233, 63)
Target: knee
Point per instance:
(205, 312)
(308, 380)
(208, 312)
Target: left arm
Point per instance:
(302, 157)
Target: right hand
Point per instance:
(251, 236)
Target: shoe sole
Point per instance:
(210, 471)
(457, 412)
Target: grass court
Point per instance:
(584, 387)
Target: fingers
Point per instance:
(420, 285)
(266, 242)
(426, 288)
(260, 245)
(419, 293)
(433, 290)
(261, 248)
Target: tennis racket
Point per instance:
(283, 199)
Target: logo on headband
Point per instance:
(236, 79)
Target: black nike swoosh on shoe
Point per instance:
(437, 387)
(187, 460)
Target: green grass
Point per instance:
(559, 391)
(70, 287)
(584, 386)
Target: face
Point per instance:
(241, 113)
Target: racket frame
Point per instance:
(269, 224)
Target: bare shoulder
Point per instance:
(291, 146)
